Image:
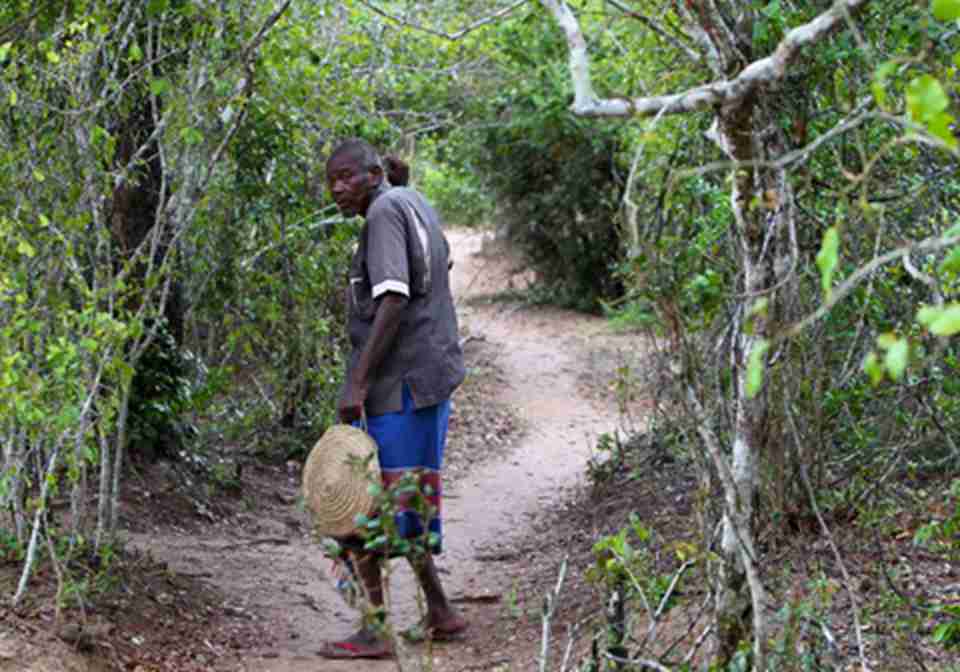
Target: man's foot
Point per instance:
(363, 644)
(449, 627)
(446, 626)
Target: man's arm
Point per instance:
(386, 323)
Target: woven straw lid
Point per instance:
(335, 482)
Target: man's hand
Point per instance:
(351, 405)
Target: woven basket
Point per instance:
(335, 481)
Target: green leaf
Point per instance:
(827, 258)
(939, 127)
(946, 10)
(879, 82)
(887, 340)
(897, 357)
(759, 307)
(755, 367)
(948, 323)
(952, 263)
(927, 315)
(159, 86)
(926, 98)
(155, 7)
(5, 50)
(873, 368)
(26, 249)
(135, 53)
(191, 136)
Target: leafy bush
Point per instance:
(454, 188)
(555, 178)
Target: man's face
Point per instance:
(350, 185)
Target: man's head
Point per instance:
(354, 172)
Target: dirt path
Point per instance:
(279, 579)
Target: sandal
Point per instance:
(345, 650)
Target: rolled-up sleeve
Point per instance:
(387, 263)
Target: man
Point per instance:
(405, 364)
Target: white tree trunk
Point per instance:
(739, 613)
(103, 491)
(119, 449)
(33, 547)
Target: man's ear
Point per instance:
(376, 176)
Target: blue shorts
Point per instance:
(411, 441)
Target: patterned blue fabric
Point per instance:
(412, 441)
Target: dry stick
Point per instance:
(663, 602)
(572, 632)
(697, 644)
(848, 583)
(704, 609)
(645, 662)
(549, 607)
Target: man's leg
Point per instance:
(442, 618)
(369, 641)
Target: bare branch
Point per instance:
(549, 608)
(453, 37)
(718, 93)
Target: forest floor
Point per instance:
(231, 580)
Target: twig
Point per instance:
(663, 602)
(572, 632)
(453, 37)
(645, 662)
(659, 30)
(840, 293)
(697, 644)
(848, 583)
(549, 608)
(279, 541)
(255, 41)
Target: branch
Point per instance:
(453, 37)
(549, 607)
(719, 93)
(690, 53)
(840, 293)
(255, 41)
(848, 582)
(17, 25)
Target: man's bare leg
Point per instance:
(369, 641)
(442, 618)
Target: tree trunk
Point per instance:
(137, 201)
